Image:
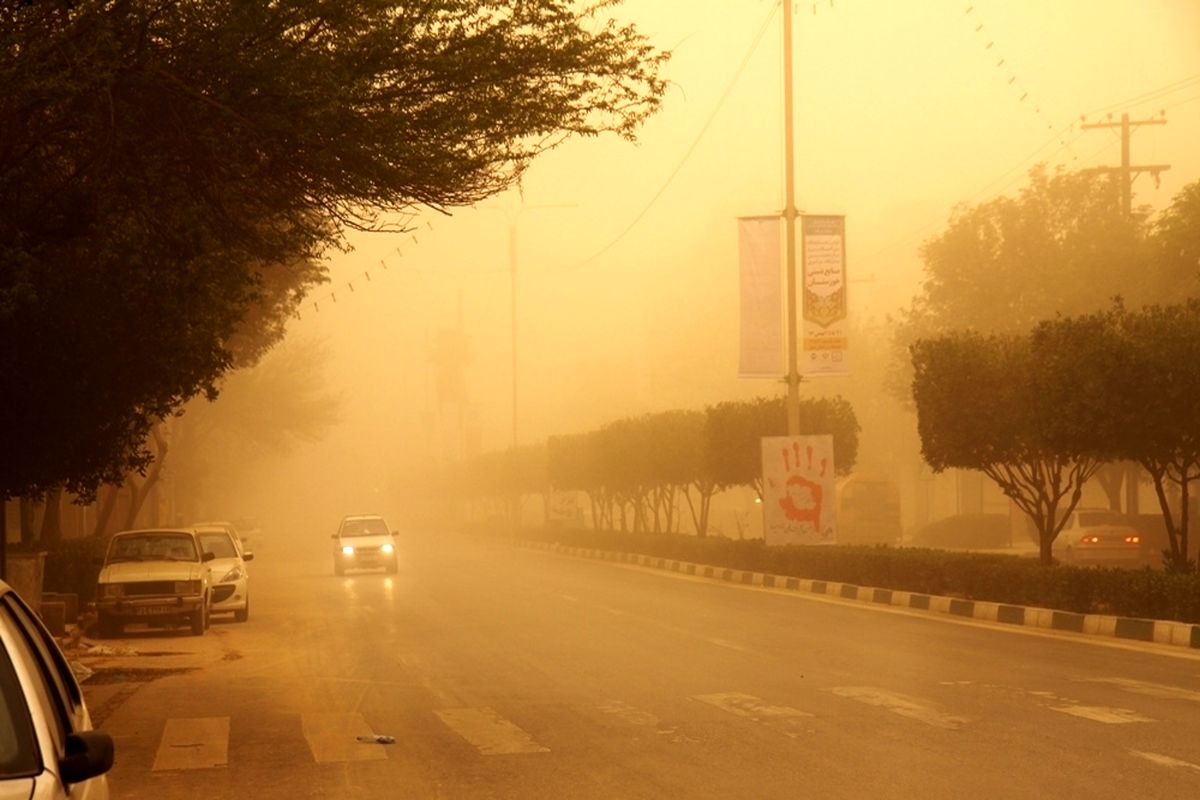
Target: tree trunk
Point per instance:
(139, 493)
(1164, 504)
(1110, 477)
(105, 511)
(51, 533)
(28, 522)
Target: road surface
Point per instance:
(504, 672)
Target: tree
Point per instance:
(736, 428)
(156, 158)
(1144, 406)
(1001, 405)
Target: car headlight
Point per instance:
(235, 574)
(347, 550)
(388, 548)
(187, 587)
(112, 590)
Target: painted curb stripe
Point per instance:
(1167, 632)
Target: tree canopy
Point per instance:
(158, 160)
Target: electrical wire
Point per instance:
(687, 154)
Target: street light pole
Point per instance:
(789, 214)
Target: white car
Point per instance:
(239, 538)
(363, 541)
(1099, 537)
(230, 579)
(48, 748)
(157, 577)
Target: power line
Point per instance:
(688, 153)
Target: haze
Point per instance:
(626, 253)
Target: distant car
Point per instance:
(363, 541)
(230, 579)
(48, 748)
(1099, 537)
(157, 577)
(236, 533)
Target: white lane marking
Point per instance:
(196, 743)
(747, 705)
(569, 598)
(1159, 690)
(333, 737)
(488, 732)
(725, 643)
(1110, 716)
(627, 713)
(1165, 761)
(901, 705)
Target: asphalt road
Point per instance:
(510, 673)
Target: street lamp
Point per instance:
(512, 269)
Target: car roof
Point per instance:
(156, 530)
(362, 516)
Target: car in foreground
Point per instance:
(1099, 537)
(363, 541)
(48, 748)
(156, 577)
(230, 578)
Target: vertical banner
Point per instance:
(799, 492)
(823, 278)
(760, 354)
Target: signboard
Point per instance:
(799, 493)
(760, 354)
(823, 278)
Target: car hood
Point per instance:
(133, 571)
(366, 541)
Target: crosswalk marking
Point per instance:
(746, 705)
(1110, 716)
(488, 732)
(628, 713)
(193, 744)
(901, 705)
(1159, 690)
(333, 737)
(1165, 761)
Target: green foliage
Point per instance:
(736, 428)
(1062, 246)
(160, 163)
(1143, 593)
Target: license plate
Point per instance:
(153, 611)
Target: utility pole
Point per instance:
(1126, 173)
(789, 215)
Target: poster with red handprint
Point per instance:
(799, 493)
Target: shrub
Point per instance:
(1145, 593)
(73, 565)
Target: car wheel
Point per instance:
(199, 620)
(110, 628)
(242, 614)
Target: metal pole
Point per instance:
(512, 271)
(789, 213)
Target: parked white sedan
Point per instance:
(47, 746)
(230, 579)
(157, 577)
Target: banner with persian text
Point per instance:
(760, 354)
(823, 281)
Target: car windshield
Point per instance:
(152, 547)
(18, 753)
(1088, 519)
(219, 544)
(373, 526)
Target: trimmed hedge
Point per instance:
(1144, 593)
(73, 565)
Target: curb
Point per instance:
(1177, 634)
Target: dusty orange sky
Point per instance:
(627, 296)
